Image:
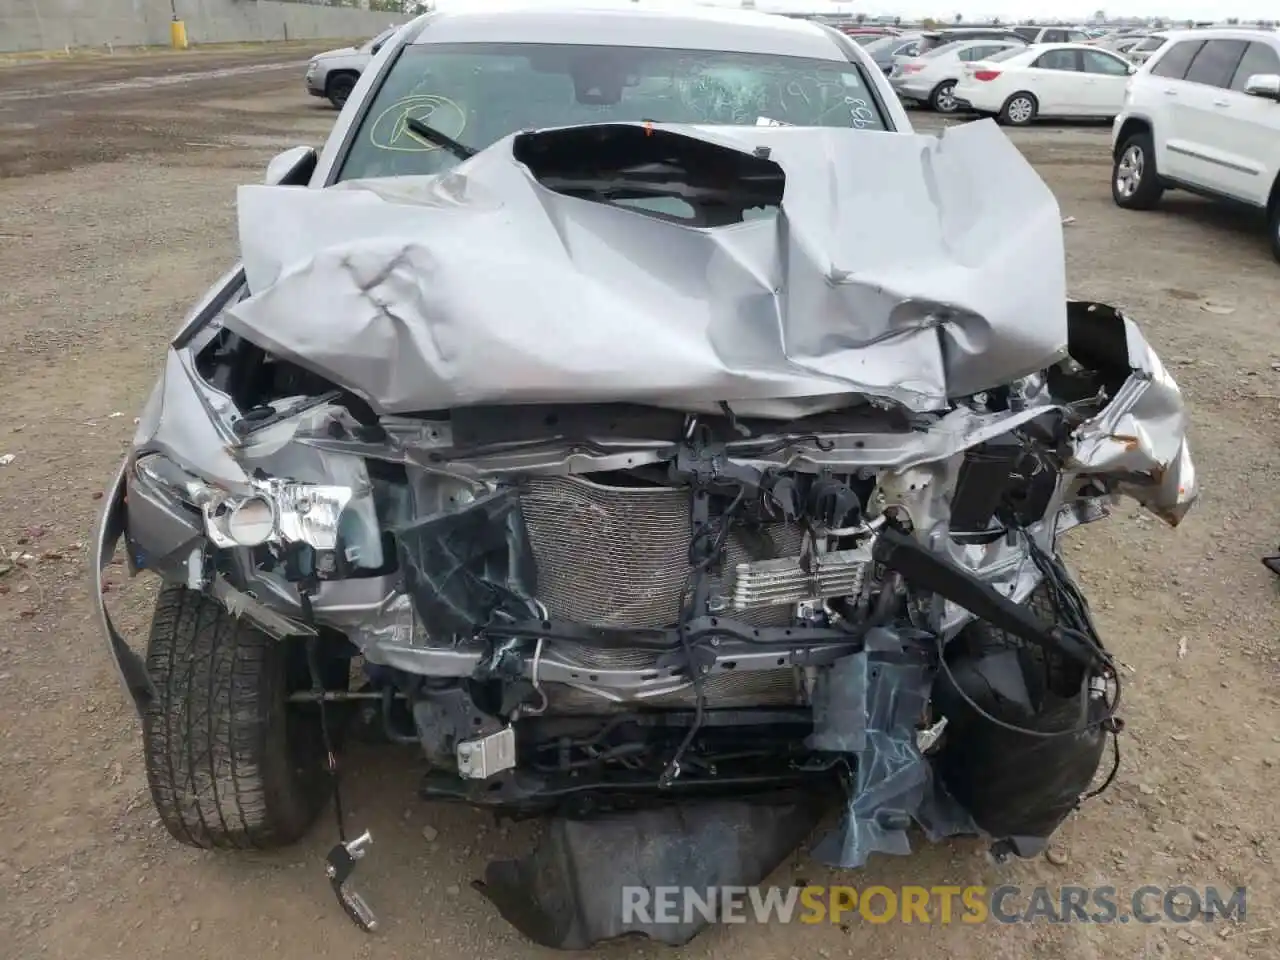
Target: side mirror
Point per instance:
(1265, 85)
(1133, 68)
(293, 168)
(373, 51)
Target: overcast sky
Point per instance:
(1032, 9)
(1008, 10)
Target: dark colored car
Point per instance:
(884, 50)
(866, 35)
(938, 38)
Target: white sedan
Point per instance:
(1045, 80)
(931, 77)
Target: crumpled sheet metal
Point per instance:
(902, 266)
(1142, 433)
(183, 419)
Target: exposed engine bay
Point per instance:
(643, 620)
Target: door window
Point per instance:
(1216, 63)
(1259, 58)
(1057, 60)
(1173, 65)
(1097, 62)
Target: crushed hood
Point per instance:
(906, 267)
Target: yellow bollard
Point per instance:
(178, 34)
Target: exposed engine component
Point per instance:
(618, 556)
(581, 623)
(794, 580)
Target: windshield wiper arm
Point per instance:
(432, 135)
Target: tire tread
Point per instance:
(216, 756)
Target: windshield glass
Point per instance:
(1005, 54)
(480, 93)
(1149, 43)
(951, 47)
(882, 44)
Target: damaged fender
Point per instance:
(1139, 440)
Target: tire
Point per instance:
(942, 99)
(339, 88)
(1019, 110)
(230, 763)
(1135, 182)
(1018, 788)
(1273, 228)
(1047, 672)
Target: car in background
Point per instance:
(1144, 49)
(931, 77)
(933, 39)
(939, 38)
(333, 74)
(1018, 86)
(1035, 34)
(1203, 115)
(866, 35)
(886, 50)
(1120, 44)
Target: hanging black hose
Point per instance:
(317, 687)
(341, 861)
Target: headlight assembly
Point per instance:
(309, 513)
(277, 510)
(251, 522)
(164, 473)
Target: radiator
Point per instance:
(615, 556)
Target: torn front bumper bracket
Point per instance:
(1272, 562)
(111, 530)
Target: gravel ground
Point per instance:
(116, 211)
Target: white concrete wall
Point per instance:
(54, 24)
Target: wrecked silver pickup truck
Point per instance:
(676, 536)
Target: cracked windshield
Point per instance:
(479, 93)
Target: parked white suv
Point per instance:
(1203, 115)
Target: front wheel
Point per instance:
(943, 97)
(231, 763)
(339, 89)
(1273, 228)
(1019, 110)
(1135, 183)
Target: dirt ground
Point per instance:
(117, 210)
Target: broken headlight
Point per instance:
(278, 510)
(309, 513)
